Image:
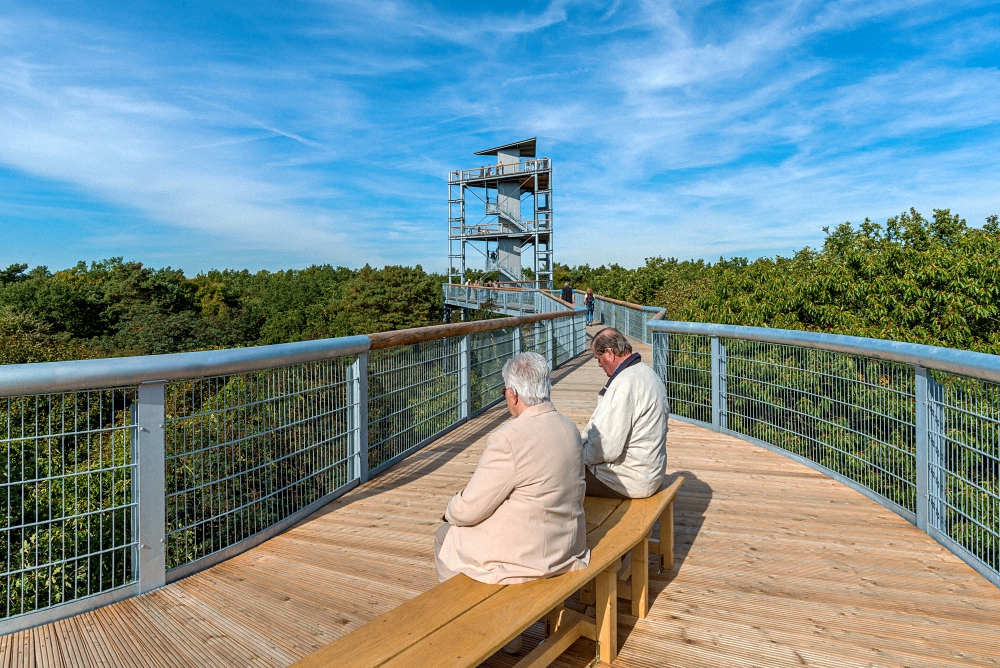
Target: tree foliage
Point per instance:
(934, 281)
(113, 308)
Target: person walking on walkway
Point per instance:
(625, 442)
(567, 293)
(588, 301)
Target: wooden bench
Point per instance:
(462, 622)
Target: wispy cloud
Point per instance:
(322, 131)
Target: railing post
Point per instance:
(357, 416)
(151, 486)
(920, 406)
(936, 465)
(549, 344)
(464, 378)
(717, 409)
(516, 342)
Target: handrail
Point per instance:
(483, 287)
(401, 337)
(48, 377)
(627, 304)
(494, 171)
(962, 362)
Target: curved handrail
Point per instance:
(48, 377)
(401, 337)
(952, 360)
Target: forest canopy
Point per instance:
(933, 281)
(115, 308)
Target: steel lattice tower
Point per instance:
(496, 211)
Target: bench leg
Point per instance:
(664, 547)
(607, 614)
(667, 536)
(640, 579)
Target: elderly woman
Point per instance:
(520, 517)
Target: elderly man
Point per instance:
(625, 442)
(520, 517)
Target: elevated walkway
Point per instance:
(777, 565)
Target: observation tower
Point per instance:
(496, 212)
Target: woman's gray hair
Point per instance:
(528, 375)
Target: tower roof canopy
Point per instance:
(525, 146)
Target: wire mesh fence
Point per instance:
(863, 418)
(413, 393)
(853, 415)
(964, 463)
(489, 352)
(66, 505)
(630, 320)
(684, 362)
(245, 451)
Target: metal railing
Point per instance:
(914, 427)
(628, 318)
(527, 166)
(497, 209)
(504, 300)
(503, 267)
(120, 475)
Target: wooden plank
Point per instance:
(597, 510)
(395, 631)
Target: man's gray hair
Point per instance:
(528, 375)
(610, 338)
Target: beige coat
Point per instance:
(520, 518)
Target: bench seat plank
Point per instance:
(382, 638)
(598, 510)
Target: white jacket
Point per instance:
(625, 442)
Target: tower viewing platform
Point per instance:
(840, 504)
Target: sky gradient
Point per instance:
(277, 135)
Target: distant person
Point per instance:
(567, 293)
(588, 301)
(625, 442)
(520, 517)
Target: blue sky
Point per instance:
(274, 135)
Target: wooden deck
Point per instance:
(777, 566)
